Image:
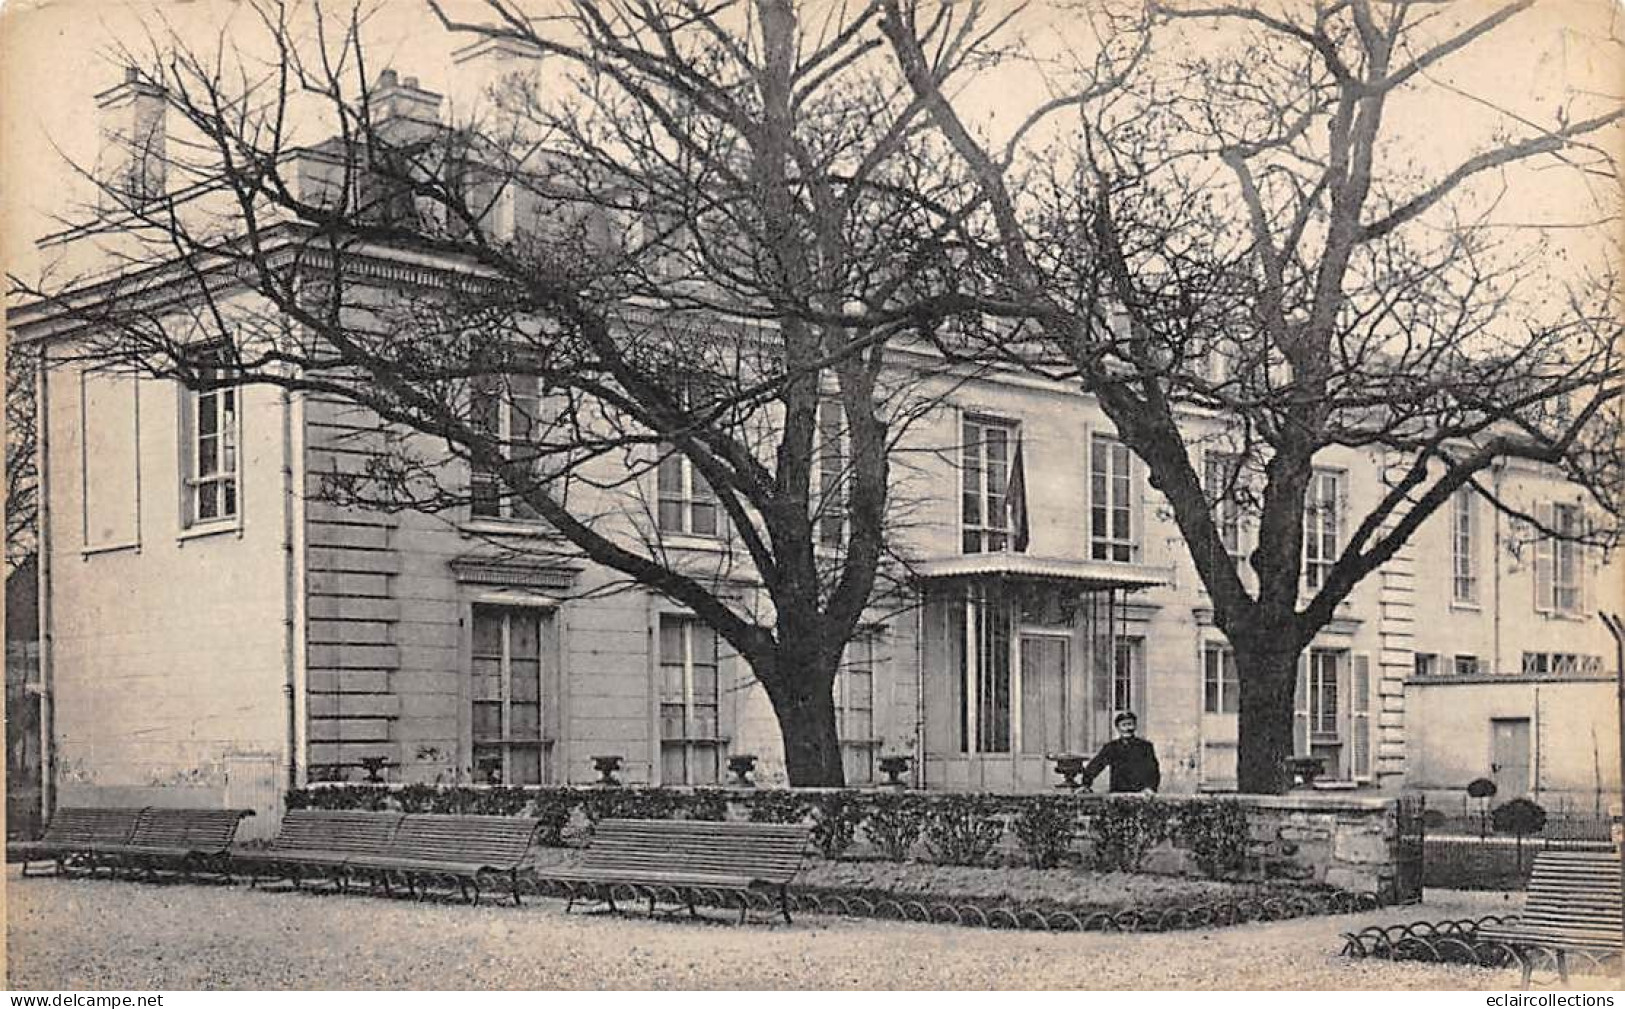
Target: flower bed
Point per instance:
(1339, 843)
(1017, 897)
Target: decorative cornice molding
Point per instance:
(512, 573)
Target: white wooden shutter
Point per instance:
(1584, 555)
(1545, 557)
(1300, 708)
(1140, 679)
(1360, 717)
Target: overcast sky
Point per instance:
(53, 60)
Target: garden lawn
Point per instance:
(102, 934)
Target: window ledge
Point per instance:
(1568, 617)
(211, 528)
(1467, 605)
(690, 541)
(530, 528)
(109, 548)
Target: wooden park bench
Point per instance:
(182, 840)
(461, 850)
(1572, 904)
(681, 860)
(316, 843)
(74, 832)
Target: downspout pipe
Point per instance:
(47, 653)
(290, 595)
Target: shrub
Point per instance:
(1125, 829)
(705, 804)
(629, 804)
(1215, 833)
(416, 798)
(835, 818)
(1519, 816)
(893, 824)
(777, 806)
(371, 798)
(553, 806)
(962, 829)
(1045, 828)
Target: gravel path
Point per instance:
(84, 934)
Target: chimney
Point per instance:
(401, 110)
(130, 163)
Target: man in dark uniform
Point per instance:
(1133, 760)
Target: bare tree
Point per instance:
(723, 222)
(22, 474)
(1235, 248)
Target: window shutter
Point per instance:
(1584, 556)
(1137, 488)
(1140, 699)
(1300, 708)
(1545, 556)
(1360, 717)
(730, 685)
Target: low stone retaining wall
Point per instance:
(1342, 842)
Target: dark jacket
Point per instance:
(1133, 762)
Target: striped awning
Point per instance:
(1081, 574)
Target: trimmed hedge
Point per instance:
(956, 828)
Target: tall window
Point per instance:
(509, 740)
(1566, 572)
(985, 483)
(1323, 707)
(1223, 478)
(1426, 664)
(830, 499)
(1111, 506)
(982, 625)
(1559, 561)
(855, 707)
(1463, 532)
(1321, 527)
(212, 429)
(690, 702)
(1126, 676)
(1221, 690)
(687, 503)
(508, 409)
(1466, 665)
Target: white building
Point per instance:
(215, 632)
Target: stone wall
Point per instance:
(1348, 843)
(1309, 838)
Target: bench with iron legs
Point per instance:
(478, 852)
(315, 844)
(1572, 905)
(678, 861)
(187, 841)
(75, 831)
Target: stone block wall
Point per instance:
(1348, 843)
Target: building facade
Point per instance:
(216, 629)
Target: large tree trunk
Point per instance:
(805, 707)
(1269, 679)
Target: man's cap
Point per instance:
(1125, 716)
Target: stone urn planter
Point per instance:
(894, 766)
(606, 767)
(1305, 770)
(374, 766)
(740, 765)
(1069, 766)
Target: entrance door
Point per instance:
(1051, 718)
(1509, 756)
